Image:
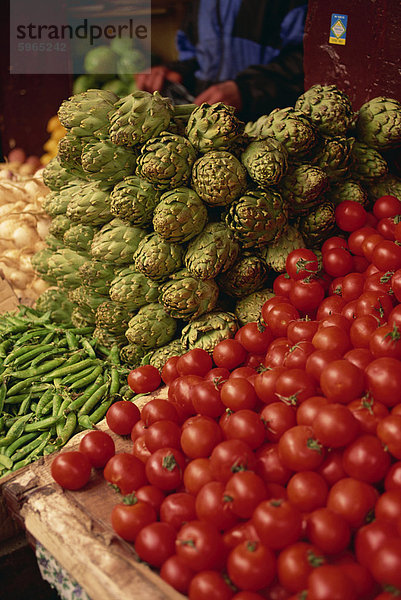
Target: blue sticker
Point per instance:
(338, 29)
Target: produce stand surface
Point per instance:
(74, 528)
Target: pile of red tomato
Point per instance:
(273, 469)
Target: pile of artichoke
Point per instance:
(169, 223)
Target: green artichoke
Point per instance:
(186, 297)
(103, 161)
(59, 225)
(257, 218)
(219, 178)
(63, 266)
(214, 127)
(108, 339)
(158, 358)
(180, 215)
(379, 123)
(56, 203)
(134, 199)
(138, 117)
(211, 252)
(98, 275)
(112, 317)
(79, 237)
(302, 187)
(82, 318)
(151, 327)
(133, 289)
(334, 156)
(156, 258)
(266, 161)
(328, 108)
(248, 274)
(55, 176)
(40, 264)
(388, 185)
(367, 163)
(87, 113)
(248, 309)
(89, 204)
(318, 225)
(208, 330)
(347, 190)
(56, 302)
(87, 299)
(166, 161)
(289, 126)
(132, 354)
(275, 255)
(116, 242)
(69, 154)
(129, 62)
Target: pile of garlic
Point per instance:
(24, 226)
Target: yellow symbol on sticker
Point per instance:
(338, 29)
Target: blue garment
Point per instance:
(220, 54)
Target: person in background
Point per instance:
(245, 53)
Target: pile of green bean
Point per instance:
(54, 382)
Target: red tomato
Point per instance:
(308, 410)
(369, 244)
(386, 341)
(352, 286)
(341, 381)
(255, 337)
(180, 394)
(246, 425)
(144, 379)
(229, 353)
(299, 449)
(393, 477)
(369, 538)
(165, 467)
(279, 316)
(383, 377)
(301, 330)
(269, 466)
(368, 413)
(278, 523)
(386, 256)
(177, 509)
(238, 393)
(361, 330)
(307, 490)
(161, 434)
(306, 295)
(127, 519)
(337, 262)
(386, 206)
(353, 499)
(301, 263)
(282, 285)
(229, 457)
(140, 449)
(388, 507)
(98, 446)
(243, 492)
(194, 362)
(334, 241)
(330, 305)
(278, 417)
(386, 563)
(332, 338)
(199, 436)
(389, 433)
(151, 495)
(126, 472)
(206, 399)
(122, 416)
(158, 409)
(176, 573)
(332, 468)
(360, 357)
(212, 506)
(328, 530)
(395, 283)
(197, 473)
(169, 371)
(329, 582)
(200, 546)
(295, 563)
(251, 566)
(366, 459)
(265, 384)
(350, 215)
(155, 543)
(356, 239)
(319, 359)
(294, 386)
(297, 355)
(209, 585)
(71, 469)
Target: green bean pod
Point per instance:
(68, 429)
(3, 392)
(50, 365)
(94, 399)
(82, 398)
(66, 370)
(69, 379)
(30, 335)
(45, 399)
(56, 403)
(42, 424)
(5, 461)
(114, 381)
(15, 430)
(87, 346)
(98, 414)
(25, 405)
(31, 353)
(21, 441)
(72, 340)
(88, 379)
(21, 452)
(18, 387)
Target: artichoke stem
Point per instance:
(183, 110)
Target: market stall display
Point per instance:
(254, 269)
